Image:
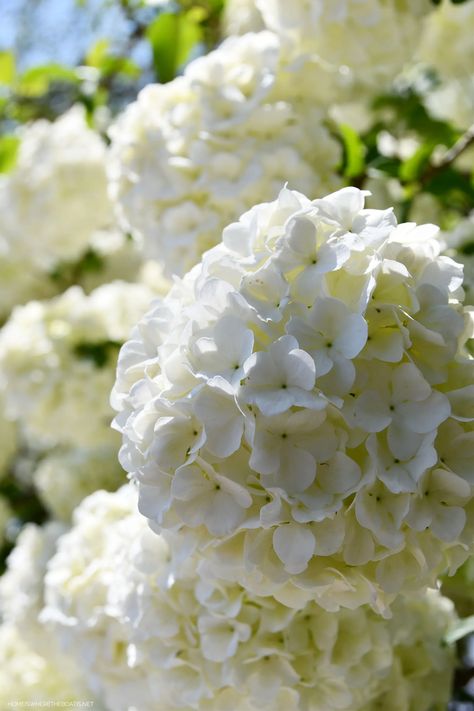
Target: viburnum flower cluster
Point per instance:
(56, 195)
(296, 406)
(30, 656)
(370, 40)
(65, 476)
(447, 47)
(153, 635)
(190, 156)
(29, 677)
(459, 242)
(57, 362)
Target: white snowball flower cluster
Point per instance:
(20, 281)
(296, 404)
(241, 16)
(30, 657)
(22, 585)
(154, 636)
(371, 40)
(459, 243)
(57, 361)
(56, 195)
(446, 45)
(190, 156)
(64, 478)
(29, 678)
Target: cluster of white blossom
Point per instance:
(459, 243)
(22, 585)
(240, 17)
(55, 210)
(57, 362)
(56, 195)
(64, 478)
(20, 281)
(369, 40)
(30, 658)
(446, 45)
(29, 678)
(190, 156)
(298, 402)
(152, 635)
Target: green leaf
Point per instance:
(36, 81)
(453, 189)
(7, 68)
(412, 168)
(172, 37)
(91, 262)
(8, 152)
(97, 53)
(354, 152)
(98, 353)
(460, 630)
(409, 114)
(467, 249)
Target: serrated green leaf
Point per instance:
(460, 630)
(8, 152)
(354, 152)
(172, 37)
(7, 68)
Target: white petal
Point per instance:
(294, 545)
(409, 384)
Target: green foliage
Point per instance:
(38, 80)
(66, 274)
(173, 36)
(354, 152)
(107, 63)
(404, 111)
(8, 152)
(7, 68)
(99, 353)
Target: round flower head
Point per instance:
(241, 16)
(22, 585)
(58, 358)
(29, 678)
(20, 281)
(370, 40)
(292, 402)
(29, 654)
(154, 635)
(446, 45)
(65, 477)
(56, 195)
(190, 156)
(459, 244)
